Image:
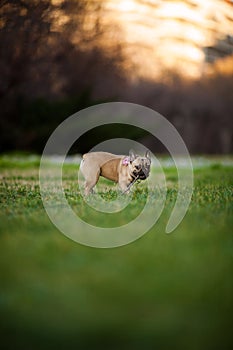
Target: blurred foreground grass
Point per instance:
(162, 291)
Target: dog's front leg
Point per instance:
(124, 186)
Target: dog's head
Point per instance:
(139, 166)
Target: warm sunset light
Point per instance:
(179, 35)
(188, 37)
(127, 5)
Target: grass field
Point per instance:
(160, 292)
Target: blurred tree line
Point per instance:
(53, 63)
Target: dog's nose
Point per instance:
(146, 171)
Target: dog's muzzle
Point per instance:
(142, 174)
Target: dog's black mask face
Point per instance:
(140, 166)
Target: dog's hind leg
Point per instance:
(91, 175)
(89, 185)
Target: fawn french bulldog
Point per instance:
(124, 170)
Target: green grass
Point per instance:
(160, 292)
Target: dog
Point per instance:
(124, 170)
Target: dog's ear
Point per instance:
(148, 155)
(132, 155)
